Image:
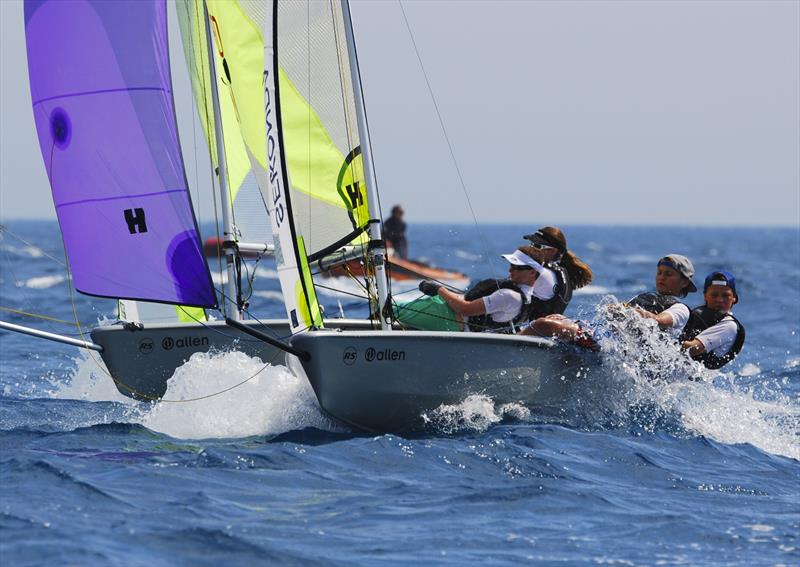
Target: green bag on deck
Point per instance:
(426, 314)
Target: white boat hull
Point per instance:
(141, 361)
(385, 382)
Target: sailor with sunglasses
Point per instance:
(548, 246)
(496, 305)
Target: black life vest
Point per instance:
(561, 297)
(702, 318)
(653, 302)
(478, 323)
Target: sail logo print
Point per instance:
(352, 188)
(272, 154)
(349, 356)
(135, 220)
(146, 346)
(371, 355)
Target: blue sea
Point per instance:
(631, 472)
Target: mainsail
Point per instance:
(314, 178)
(102, 101)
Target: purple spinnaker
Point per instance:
(102, 103)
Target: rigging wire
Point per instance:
(4, 228)
(38, 316)
(444, 132)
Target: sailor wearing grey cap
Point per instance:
(674, 274)
(490, 305)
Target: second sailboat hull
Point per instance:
(141, 359)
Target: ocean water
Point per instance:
(633, 471)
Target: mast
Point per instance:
(230, 303)
(377, 252)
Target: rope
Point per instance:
(444, 131)
(37, 316)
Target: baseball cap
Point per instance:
(542, 237)
(682, 265)
(519, 258)
(720, 278)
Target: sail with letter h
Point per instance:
(102, 102)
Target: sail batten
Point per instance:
(102, 104)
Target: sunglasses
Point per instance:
(519, 268)
(539, 246)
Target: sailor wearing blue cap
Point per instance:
(713, 335)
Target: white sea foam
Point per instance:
(26, 251)
(750, 369)
(648, 369)
(736, 416)
(470, 256)
(89, 381)
(476, 413)
(269, 294)
(592, 290)
(42, 282)
(635, 259)
(266, 273)
(260, 400)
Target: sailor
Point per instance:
(497, 305)
(394, 232)
(550, 249)
(674, 274)
(713, 335)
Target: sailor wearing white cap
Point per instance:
(490, 305)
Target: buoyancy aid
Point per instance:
(561, 297)
(478, 323)
(653, 302)
(702, 318)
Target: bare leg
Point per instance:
(553, 326)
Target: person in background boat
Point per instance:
(550, 249)
(490, 305)
(394, 232)
(674, 274)
(713, 336)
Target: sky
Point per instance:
(602, 113)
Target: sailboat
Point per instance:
(283, 76)
(383, 379)
(103, 106)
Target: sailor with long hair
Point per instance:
(548, 246)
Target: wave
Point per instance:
(23, 251)
(42, 282)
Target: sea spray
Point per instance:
(233, 395)
(652, 384)
(90, 381)
(476, 413)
